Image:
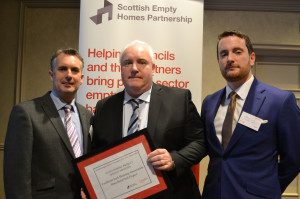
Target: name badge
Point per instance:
(251, 121)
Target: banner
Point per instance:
(174, 29)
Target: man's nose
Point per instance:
(69, 74)
(135, 66)
(231, 56)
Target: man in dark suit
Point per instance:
(169, 115)
(260, 155)
(38, 153)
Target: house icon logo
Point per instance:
(108, 8)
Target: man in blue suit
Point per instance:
(261, 154)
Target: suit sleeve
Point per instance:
(289, 141)
(18, 155)
(194, 141)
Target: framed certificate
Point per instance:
(121, 170)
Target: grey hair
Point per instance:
(138, 43)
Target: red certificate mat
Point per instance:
(121, 170)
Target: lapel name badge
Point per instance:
(251, 121)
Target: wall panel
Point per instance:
(32, 31)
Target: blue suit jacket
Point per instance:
(249, 167)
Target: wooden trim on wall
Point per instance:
(272, 54)
(25, 4)
(20, 55)
(295, 195)
(52, 3)
(253, 5)
(277, 54)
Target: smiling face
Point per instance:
(66, 76)
(234, 59)
(137, 69)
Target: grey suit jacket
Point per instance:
(38, 154)
(173, 124)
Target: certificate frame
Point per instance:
(108, 163)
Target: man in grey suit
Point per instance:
(169, 115)
(38, 153)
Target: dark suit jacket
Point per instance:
(173, 124)
(249, 167)
(38, 154)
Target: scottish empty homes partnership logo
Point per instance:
(108, 8)
(151, 12)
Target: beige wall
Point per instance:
(30, 32)
(8, 56)
(262, 27)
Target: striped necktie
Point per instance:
(71, 131)
(134, 119)
(227, 125)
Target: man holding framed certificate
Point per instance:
(168, 114)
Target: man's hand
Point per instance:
(83, 196)
(161, 160)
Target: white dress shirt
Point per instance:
(143, 110)
(242, 93)
(59, 104)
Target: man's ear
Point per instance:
(153, 68)
(81, 79)
(252, 58)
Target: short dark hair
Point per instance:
(238, 34)
(67, 51)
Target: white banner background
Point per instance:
(174, 29)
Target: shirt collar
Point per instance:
(59, 103)
(145, 96)
(243, 90)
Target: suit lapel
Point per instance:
(50, 110)
(154, 108)
(117, 115)
(255, 98)
(253, 104)
(211, 117)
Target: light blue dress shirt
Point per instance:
(60, 104)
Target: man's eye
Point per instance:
(126, 63)
(75, 70)
(142, 62)
(61, 69)
(223, 54)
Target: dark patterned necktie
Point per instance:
(71, 131)
(227, 125)
(134, 119)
